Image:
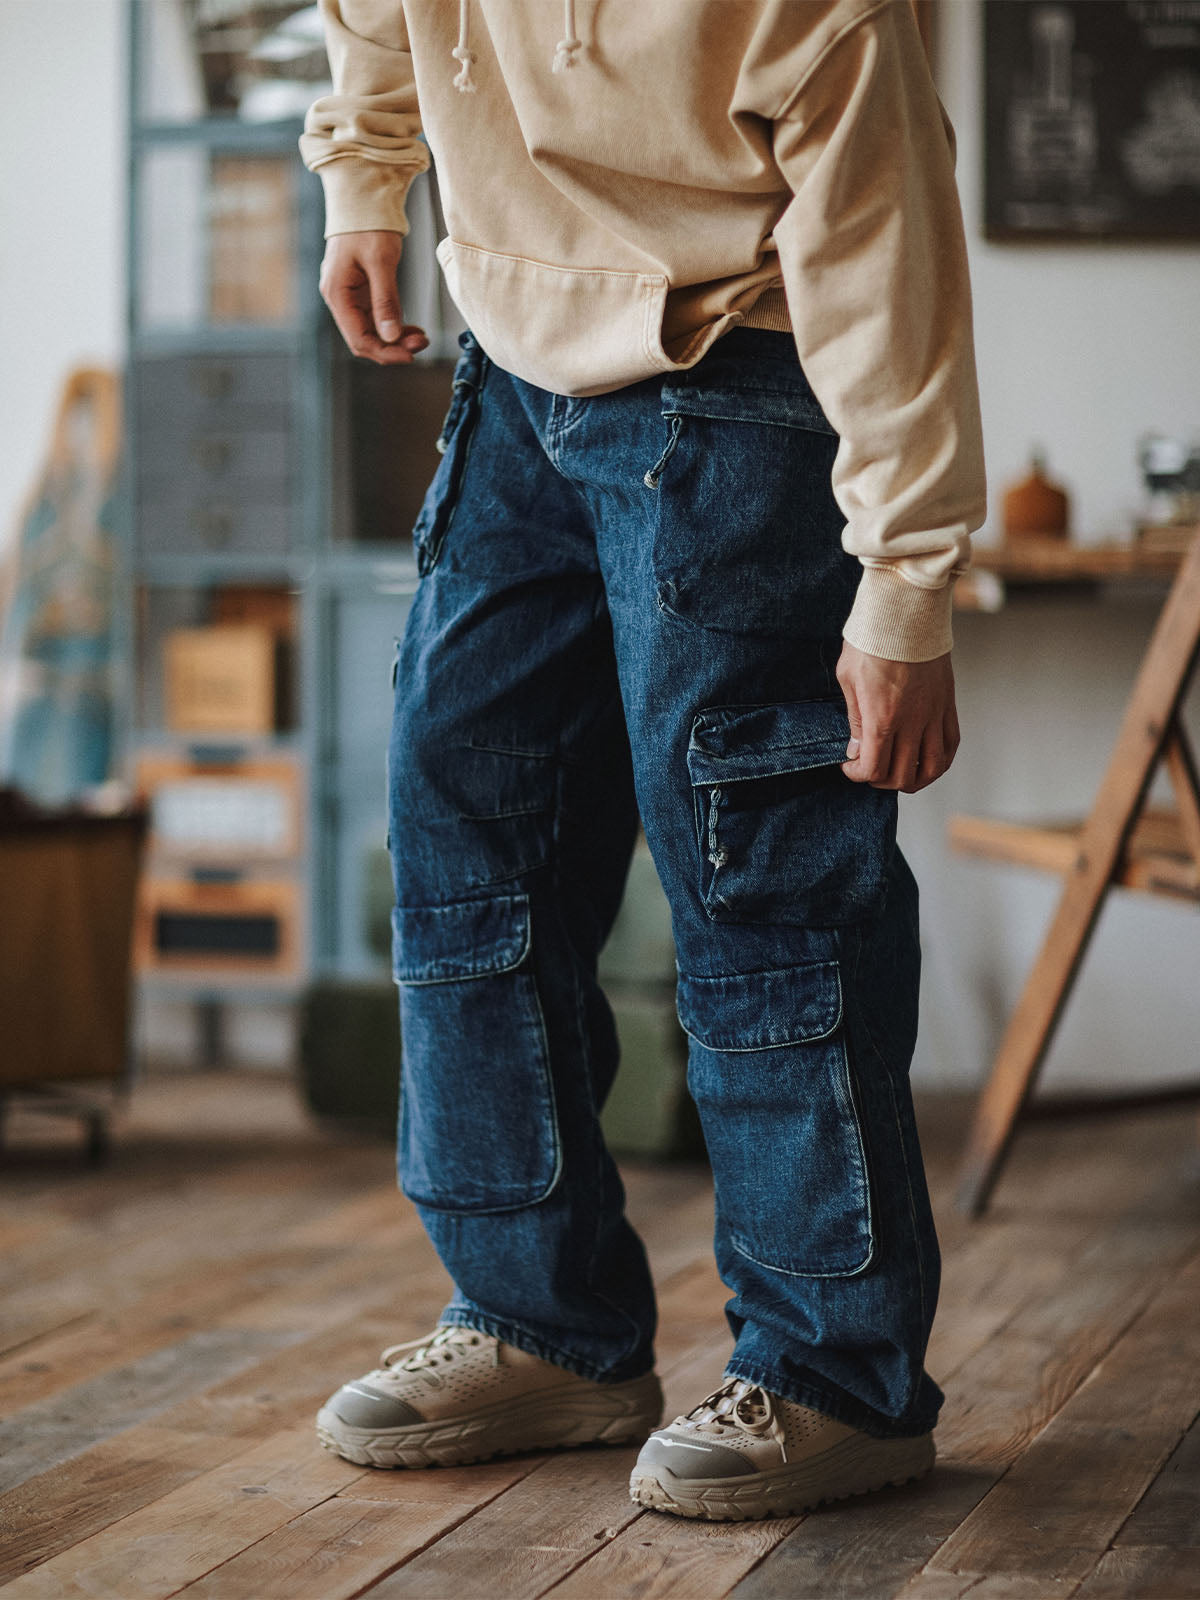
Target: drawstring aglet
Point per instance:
(564, 54)
(464, 82)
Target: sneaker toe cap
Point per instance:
(689, 1458)
(360, 1405)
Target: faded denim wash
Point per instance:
(631, 604)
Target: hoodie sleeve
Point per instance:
(364, 138)
(874, 264)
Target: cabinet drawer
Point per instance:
(243, 391)
(204, 461)
(168, 527)
(245, 928)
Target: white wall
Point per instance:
(1081, 347)
(62, 245)
(1084, 346)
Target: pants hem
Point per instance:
(830, 1403)
(534, 1345)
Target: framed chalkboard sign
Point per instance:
(1092, 119)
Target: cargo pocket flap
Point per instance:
(790, 404)
(472, 939)
(743, 742)
(761, 1010)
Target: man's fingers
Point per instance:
(907, 756)
(904, 730)
(874, 760)
(933, 761)
(855, 717)
(356, 323)
(358, 284)
(951, 734)
(869, 751)
(385, 302)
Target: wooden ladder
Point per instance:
(1121, 842)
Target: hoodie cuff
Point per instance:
(364, 195)
(895, 619)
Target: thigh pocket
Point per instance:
(768, 1069)
(454, 445)
(478, 1130)
(784, 836)
(747, 533)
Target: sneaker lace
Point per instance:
(738, 1405)
(444, 1344)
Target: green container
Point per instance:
(649, 1111)
(350, 1032)
(350, 1054)
(641, 947)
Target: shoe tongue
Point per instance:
(418, 1359)
(719, 1405)
(723, 1407)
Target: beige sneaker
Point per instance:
(745, 1453)
(458, 1396)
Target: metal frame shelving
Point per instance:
(334, 577)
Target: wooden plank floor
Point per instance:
(169, 1324)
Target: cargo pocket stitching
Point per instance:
(861, 1187)
(509, 956)
(678, 573)
(727, 754)
(774, 1044)
(831, 1021)
(844, 1090)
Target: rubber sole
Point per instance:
(856, 1466)
(623, 1414)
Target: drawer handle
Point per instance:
(215, 382)
(214, 525)
(214, 455)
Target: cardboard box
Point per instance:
(221, 679)
(277, 609)
(252, 233)
(272, 606)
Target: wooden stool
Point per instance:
(1121, 842)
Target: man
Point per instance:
(710, 467)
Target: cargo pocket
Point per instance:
(783, 835)
(453, 445)
(478, 1130)
(769, 1073)
(747, 533)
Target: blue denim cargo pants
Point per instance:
(630, 605)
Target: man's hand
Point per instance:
(358, 284)
(903, 725)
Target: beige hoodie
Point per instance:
(625, 180)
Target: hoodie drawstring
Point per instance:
(564, 54)
(564, 51)
(462, 51)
